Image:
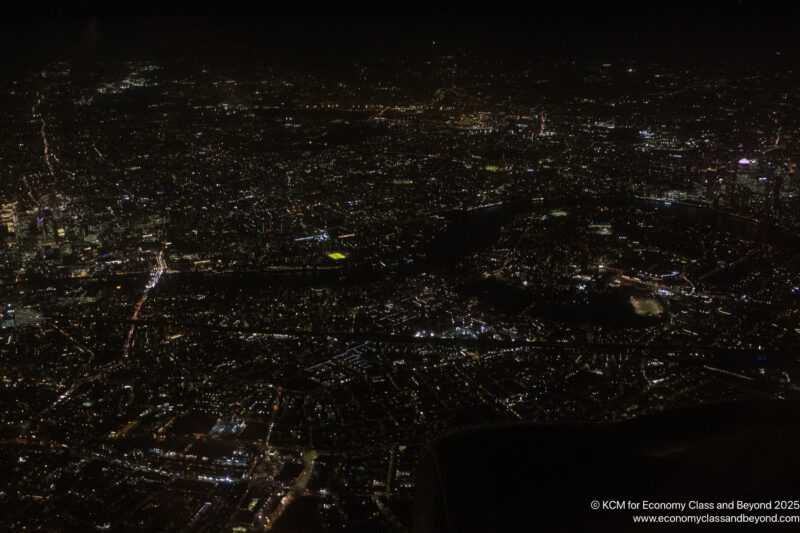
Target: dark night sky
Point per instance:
(681, 31)
(711, 14)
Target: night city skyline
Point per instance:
(288, 268)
